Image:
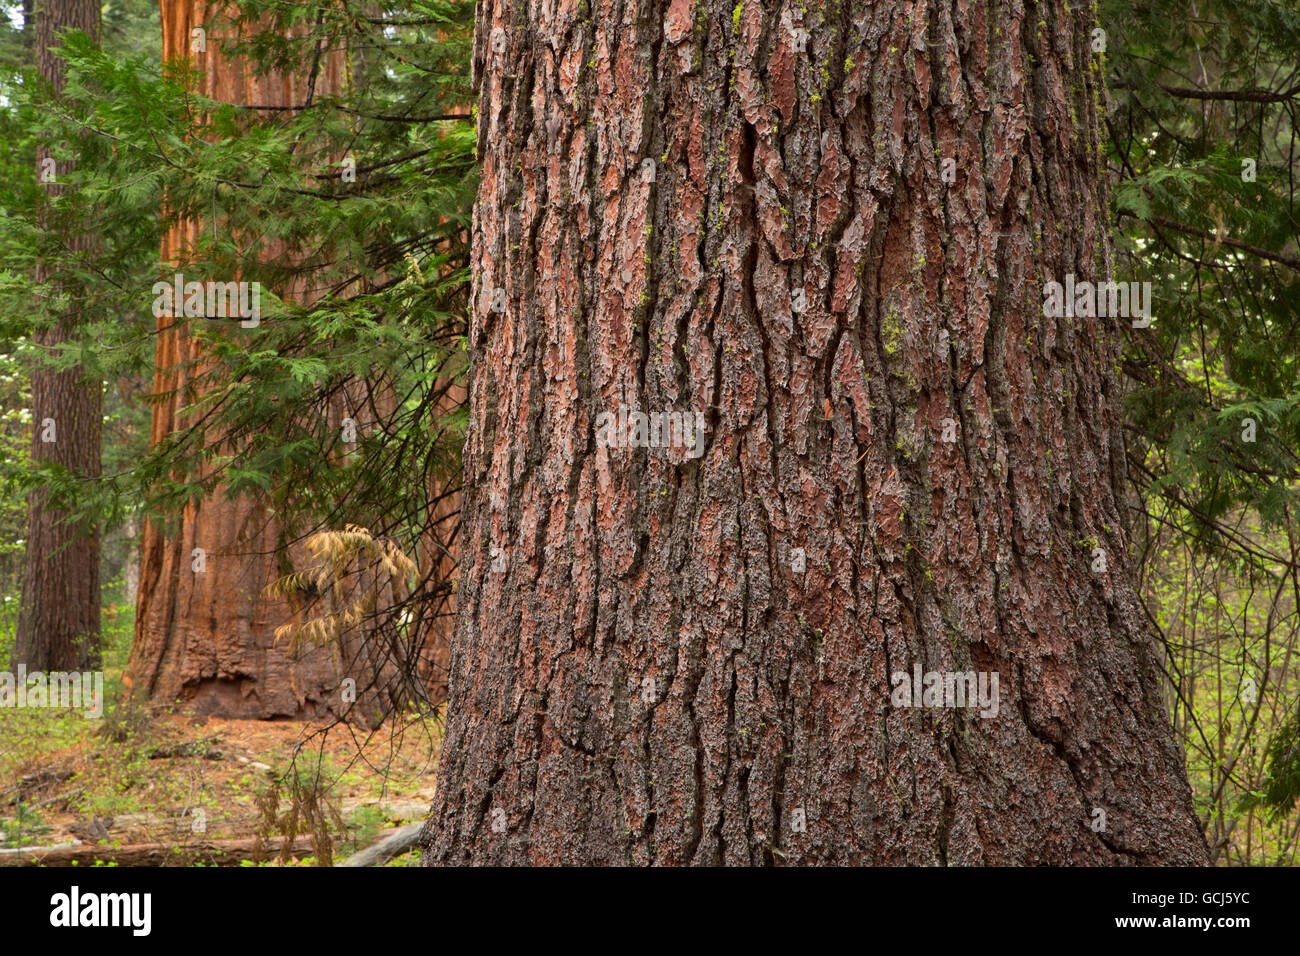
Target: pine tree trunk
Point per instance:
(207, 638)
(58, 619)
(649, 677)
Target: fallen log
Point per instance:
(209, 852)
(205, 748)
(395, 844)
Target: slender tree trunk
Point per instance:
(745, 211)
(207, 637)
(29, 24)
(58, 619)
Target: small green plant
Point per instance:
(363, 826)
(126, 720)
(24, 828)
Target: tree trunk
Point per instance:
(29, 24)
(704, 208)
(207, 637)
(58, 618)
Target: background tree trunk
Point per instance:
(208, 638)
(649, 679)
(29, 23)
(58, 619)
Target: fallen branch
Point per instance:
(393, 845)
(211, 852)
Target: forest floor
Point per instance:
(178, 780)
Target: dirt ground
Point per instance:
(175, 779)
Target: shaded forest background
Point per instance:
(363, 195)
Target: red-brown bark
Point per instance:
(770, 735)
(207, 639)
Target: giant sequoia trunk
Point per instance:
(58, 617)
(207, 638)
(828, 233)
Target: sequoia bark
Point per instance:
(828, 232)
(206, 638)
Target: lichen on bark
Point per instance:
(646, 679)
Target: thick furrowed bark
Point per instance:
(648, 679)
(58, 619)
